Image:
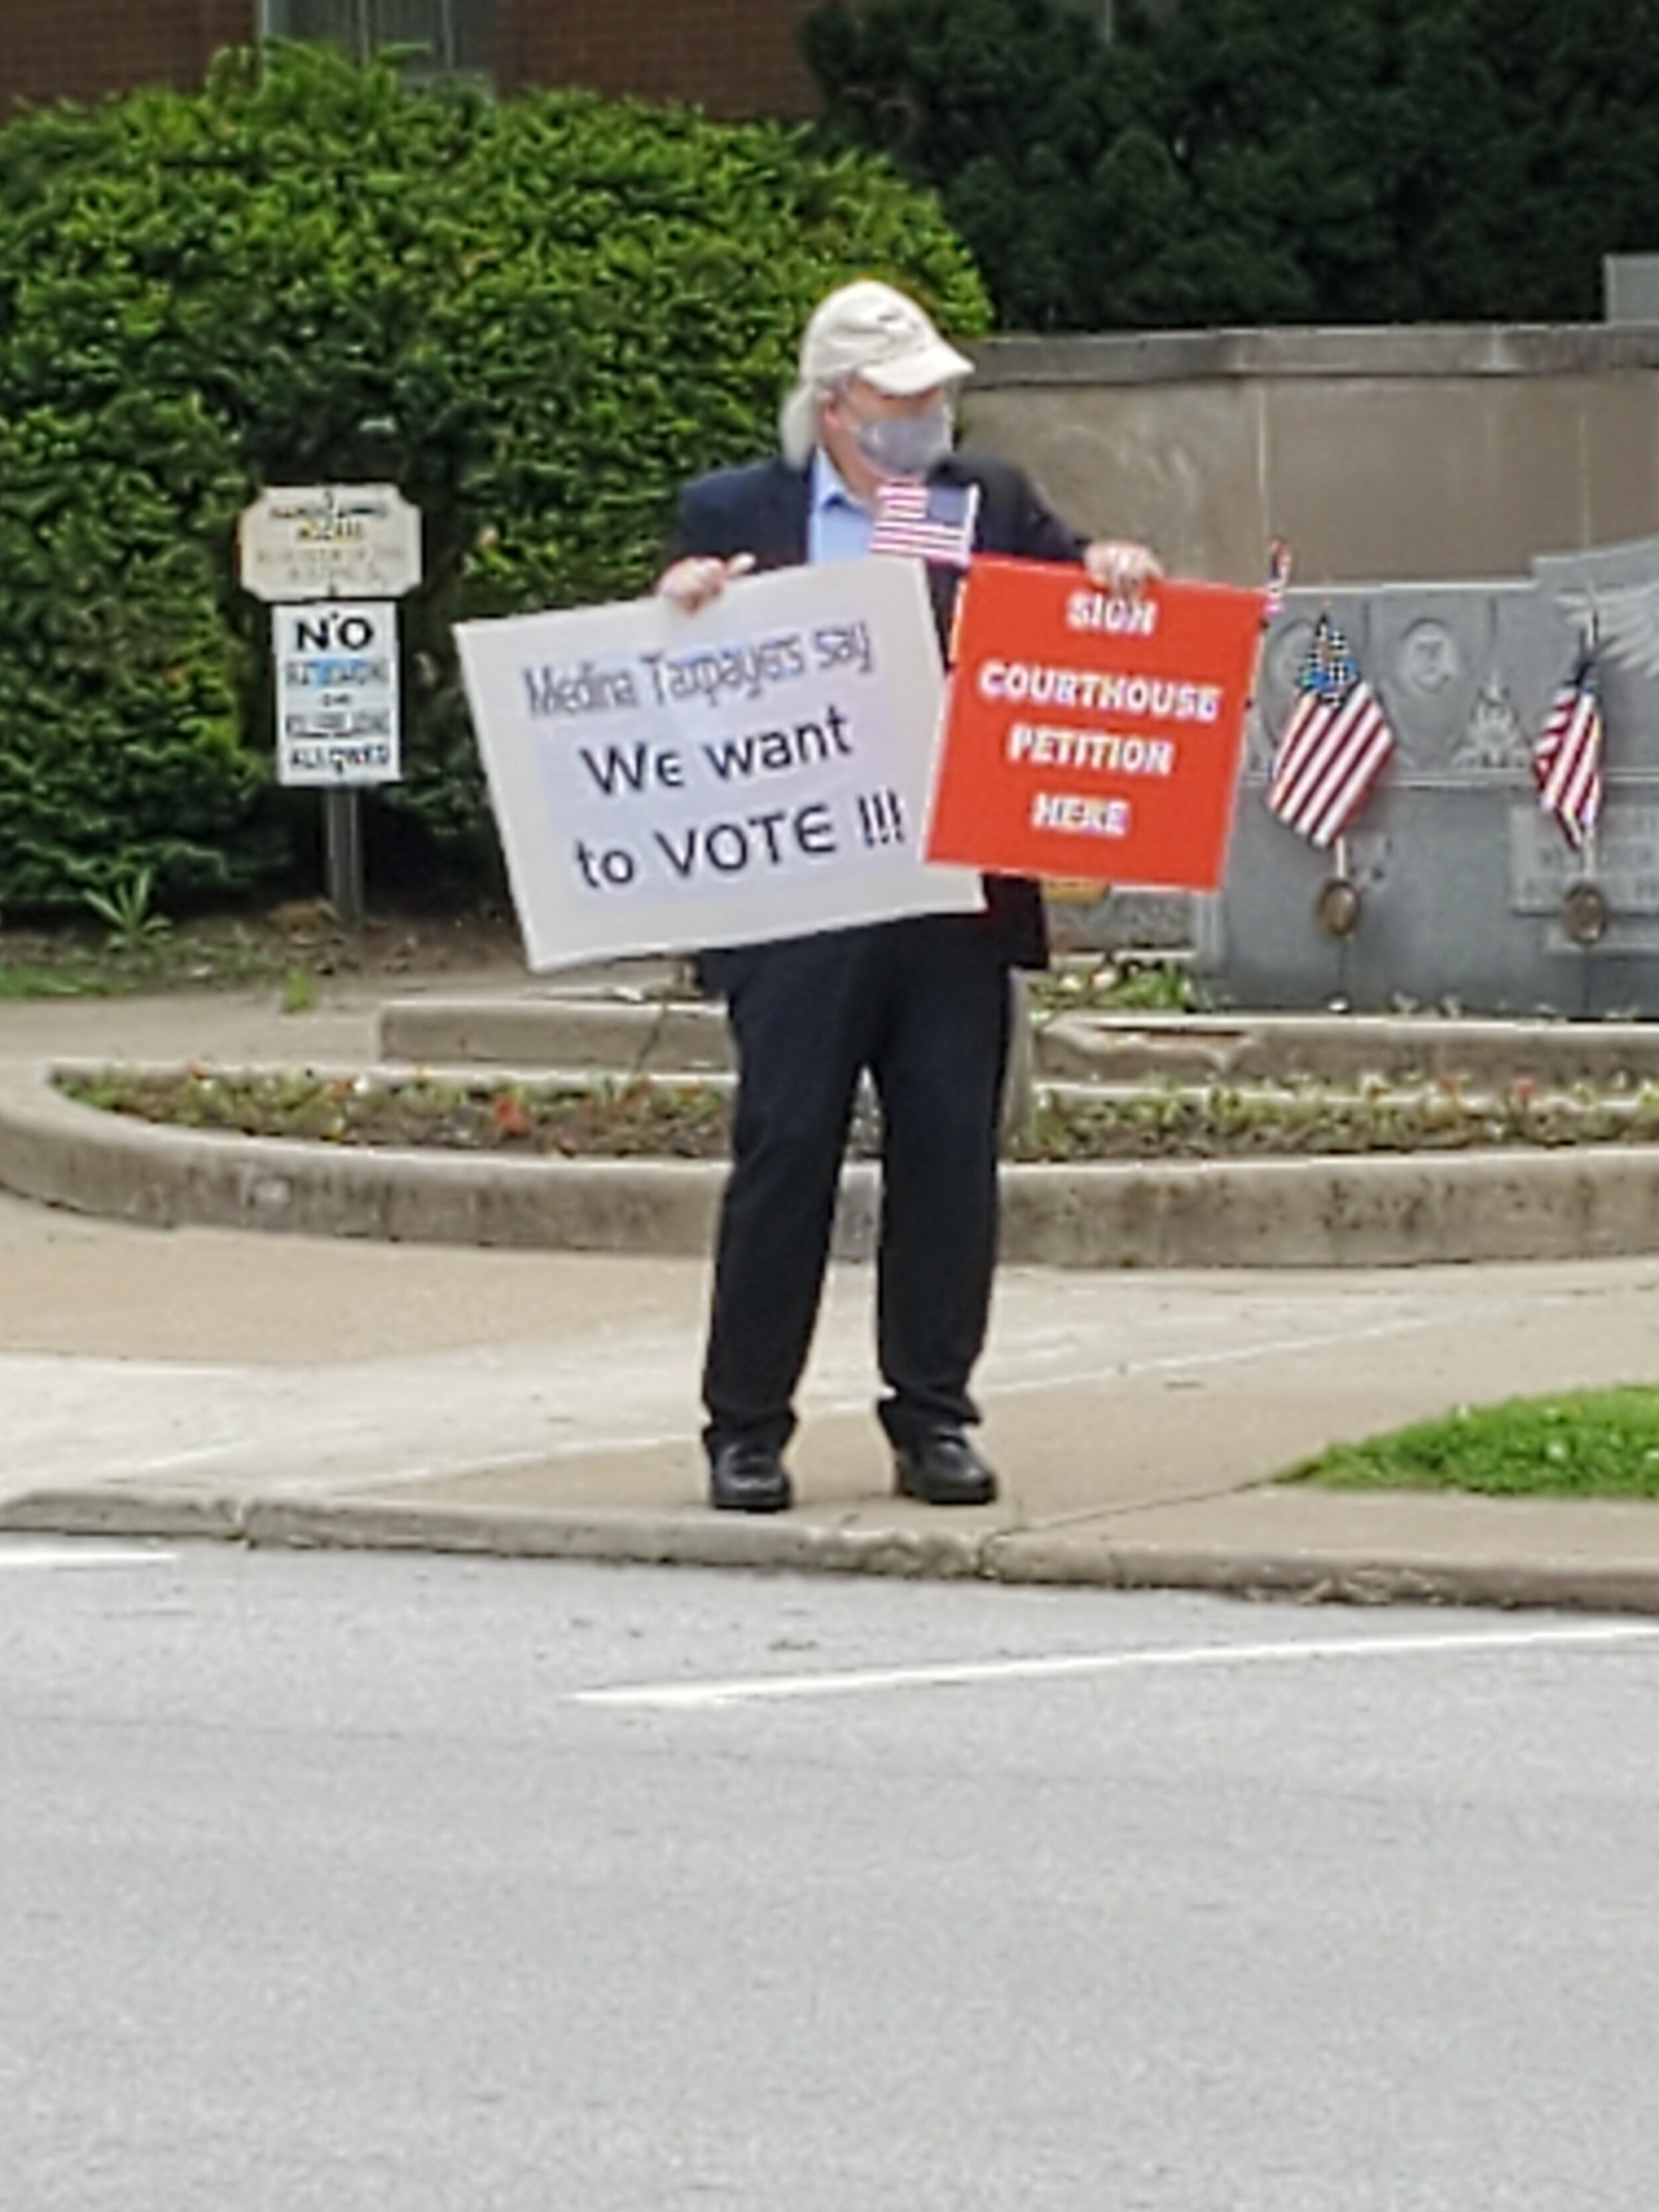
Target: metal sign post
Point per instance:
(343, 856)
(331, 560)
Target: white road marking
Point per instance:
(696, 1697)
(27, 1553)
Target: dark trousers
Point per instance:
(922, 1003)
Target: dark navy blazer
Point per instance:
(764, 510)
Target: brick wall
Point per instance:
(734, 57)
(82, 49)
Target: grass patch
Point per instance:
(31, 979)
(189, 956)
(1590, 1443)
(287, 950)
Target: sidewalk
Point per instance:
(284, 1389)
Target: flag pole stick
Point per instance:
(1345, 939)
(1590, 835)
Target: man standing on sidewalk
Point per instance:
(923, 1002)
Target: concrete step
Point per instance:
(549, 1030)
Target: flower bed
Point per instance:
(685, 1119)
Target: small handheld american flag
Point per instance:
(1567, 757)
(929, 521)
(1335, 745)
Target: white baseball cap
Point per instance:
(869, 330)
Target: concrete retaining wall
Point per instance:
(1385, 1212)
(1458, 452)
(545, 1032)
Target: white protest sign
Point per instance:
(665, 781)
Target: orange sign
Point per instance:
(1094, 737)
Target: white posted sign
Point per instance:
(761, 769)
(330, 541)
(337, 694)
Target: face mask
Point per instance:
(907, 444)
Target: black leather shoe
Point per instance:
(943, 1468)
(748, 1478)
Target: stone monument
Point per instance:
(1468, 892)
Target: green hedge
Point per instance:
(537, 316)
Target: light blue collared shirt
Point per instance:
(837, 527)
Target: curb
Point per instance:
(1397, 1209)
(706, 1540)
(1349, 1048)
(1600, 1202)
(54, 1150)
(690, 1035)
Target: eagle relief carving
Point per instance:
(1494, 737)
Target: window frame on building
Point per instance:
(461, 41)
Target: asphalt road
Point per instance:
(358, 1883)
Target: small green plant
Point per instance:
(1157, 987)
(1119, 983)
(298, 993)
(134, 925)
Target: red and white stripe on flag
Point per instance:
(1335, 746)
(931, 522)
(1566, 761)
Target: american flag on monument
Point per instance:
(931, 521)
(1335, 745)
(1566, 760)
